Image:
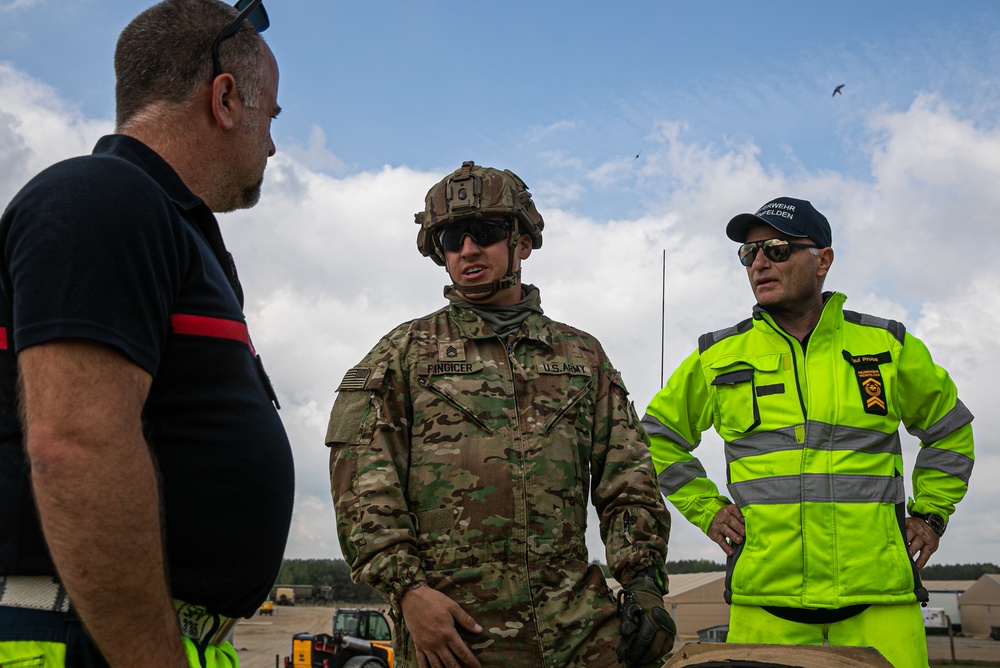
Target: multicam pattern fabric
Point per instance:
(467, 462)
(472, 191)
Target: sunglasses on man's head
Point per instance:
(482, 232)
(250, 10)
(775, 250)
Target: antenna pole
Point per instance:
(663, 314)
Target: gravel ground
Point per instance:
(966, 649)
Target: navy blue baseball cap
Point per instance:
(794, 217)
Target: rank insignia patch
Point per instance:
(870, 380)
(451, 351)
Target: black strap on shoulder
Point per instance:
(897, 329)
(706, 341)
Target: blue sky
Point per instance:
(563, 87)
(728, 104)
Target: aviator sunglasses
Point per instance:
(250, 10)
(775, 250)
(483, 233)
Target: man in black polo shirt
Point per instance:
(136, 421)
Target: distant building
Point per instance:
(944, 594)
(714, 634)
(980, 607)
(696, 602)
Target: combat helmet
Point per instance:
(484, 193)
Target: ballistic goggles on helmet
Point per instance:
(775, 250)
(482, 232)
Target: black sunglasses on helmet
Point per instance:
(483, 233)
(775, 250)
(250, 10)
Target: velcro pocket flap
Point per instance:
(352, 420)
(734, 377)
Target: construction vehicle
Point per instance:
(361, 639)
(267, 607)
(323, 650)
(362, 623)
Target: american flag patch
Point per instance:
(355, 379)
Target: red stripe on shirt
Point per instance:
(3, 338)
(219, 328)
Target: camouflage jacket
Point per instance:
(465, 461)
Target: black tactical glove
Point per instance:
(648, 631)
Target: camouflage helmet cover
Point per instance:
(472, 191)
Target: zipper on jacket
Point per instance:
(523, 465)
(424, 382)
(795, 370)
(514, 364)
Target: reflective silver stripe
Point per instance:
(819, 488)
(763, 443)
(679, 474)
(654, 426)
(946, 461)
(955, 419)
(819, 436)
(43, 592)
(37, 592)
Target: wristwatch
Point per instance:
(934, 521)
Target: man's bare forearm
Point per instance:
(96, 488)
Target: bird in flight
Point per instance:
(636, 156)
(837, 90)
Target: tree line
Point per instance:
(957, 571)
(337, 574)
(333, 573)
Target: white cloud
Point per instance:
(37, 128)
(315, 155)
(329, 264)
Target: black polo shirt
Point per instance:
(114, 248)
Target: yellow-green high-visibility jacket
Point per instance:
(813, 453)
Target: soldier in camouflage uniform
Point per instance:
(464, 448)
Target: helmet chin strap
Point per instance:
(475, 292)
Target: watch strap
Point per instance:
(937, 523)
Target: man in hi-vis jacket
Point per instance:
(808, 398)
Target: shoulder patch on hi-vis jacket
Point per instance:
(356, 378)
(870, 380)
(451, 351)
(564, 367)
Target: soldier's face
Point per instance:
(473, 264)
